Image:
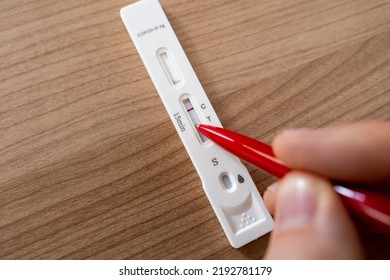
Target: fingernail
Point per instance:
(297, 202)
(294, 132)
(273, 186)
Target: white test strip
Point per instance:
(226, 182)
(194, 117)
(170, 68)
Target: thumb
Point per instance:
(310, 221)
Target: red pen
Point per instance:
(373, 207)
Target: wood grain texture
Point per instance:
(91, 166)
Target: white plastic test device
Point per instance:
(226, 182)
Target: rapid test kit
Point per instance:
(226, 182)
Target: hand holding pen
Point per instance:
(310, 219)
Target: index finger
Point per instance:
(358, 152)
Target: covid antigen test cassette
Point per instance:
(226, 182)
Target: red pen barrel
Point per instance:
(371, 207)
(246, 148)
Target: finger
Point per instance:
(269, 197)
(310, 222)
(358, 151)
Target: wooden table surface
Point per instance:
(91, 167)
